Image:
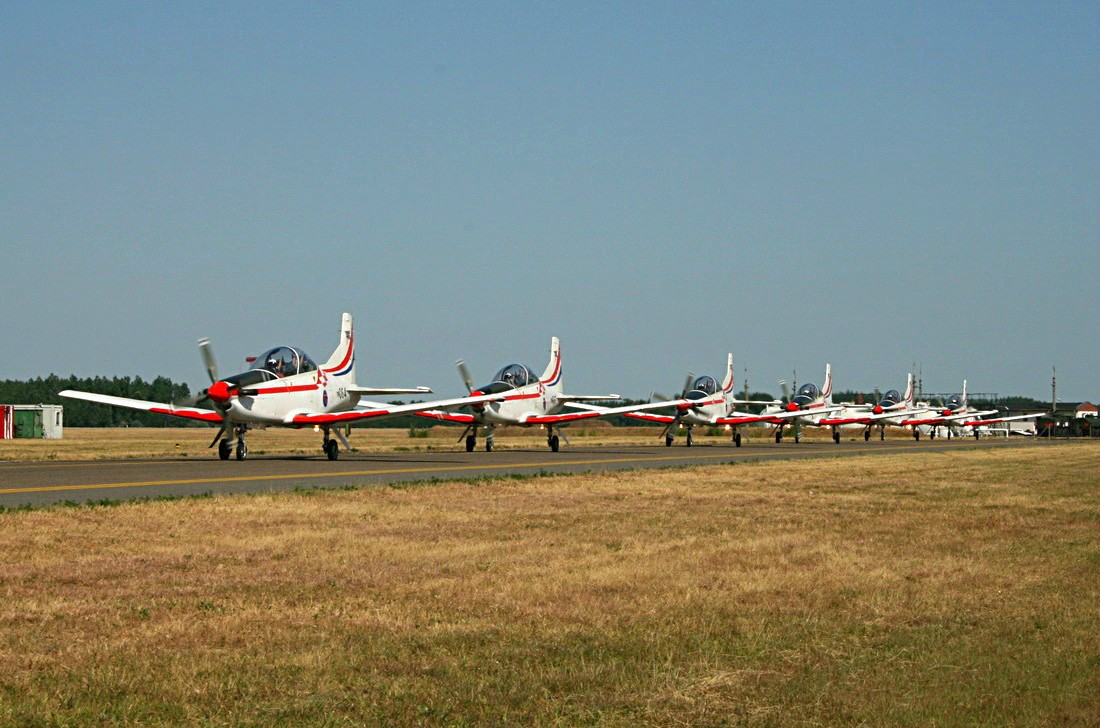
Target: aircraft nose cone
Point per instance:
(947, 413)
(878, 409)
(219, 392)
(792, 407)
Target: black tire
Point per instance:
(778, 437)
(737, 439)
(332, 449)
(242, 449)
(882, 435)
(554, 443)
(836, 437)
(668, 440)
(916, 434)
(867, 436)
(488, 446)
(689, 440)
(224, 450)
(797, 439)
(471, 443)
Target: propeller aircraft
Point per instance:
(808, 407)
(525, 400)
(892, 409)
(703, 402)
(950, 416)
(284, 387)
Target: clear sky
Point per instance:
(878, 185)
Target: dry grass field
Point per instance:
(141, 442)
(942, 589)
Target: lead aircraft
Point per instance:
(285, 388)
(702, 402)
(892, 409)
(523, 399)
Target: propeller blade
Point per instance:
(786, 390)
(687, 383)
(207, 353)
(659, 397)
(218, 436)
(465, 374)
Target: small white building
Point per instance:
(32, 421)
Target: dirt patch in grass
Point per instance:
(944, 589)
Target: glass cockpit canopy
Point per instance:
(891, 397)
(284, 361)
(807, 391)
(515, 375)
(704, 384)
(954, 402)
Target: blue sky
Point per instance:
(878, 185)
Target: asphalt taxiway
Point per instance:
(39, 483)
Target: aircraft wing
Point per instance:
(994, 420)
(741, 419)
(942, 419)
(651, 417)
(589, 412)
(868, 418)
(374, 411)
(787, 415)
(384, 391)
(594, 397)
(189, 413)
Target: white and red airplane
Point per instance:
(703, 402)
(809, 407)
(893, 409)
(952, 415)
(525, 400)
(285, 388)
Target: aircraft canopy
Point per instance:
(515, 375)
(285, 361)
(705, 384)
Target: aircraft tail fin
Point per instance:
(551, 378)
(342, 361)
(908, 401)
(827, 387)
(727, 383)
(964, 398)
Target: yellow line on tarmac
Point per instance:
(395, 471)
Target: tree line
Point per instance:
(78, 413)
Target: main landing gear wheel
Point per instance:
(471, 443)
(668, 440)
(867, 436)
(737, 439)
(553, 442)
(836, 437)
(690, 439)
(224, 450)
(977, 435)
(882, 434)
(332, 449)
(916, 435)
(242, 449)
(488, 444)
(797, 439)
(778, 437)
